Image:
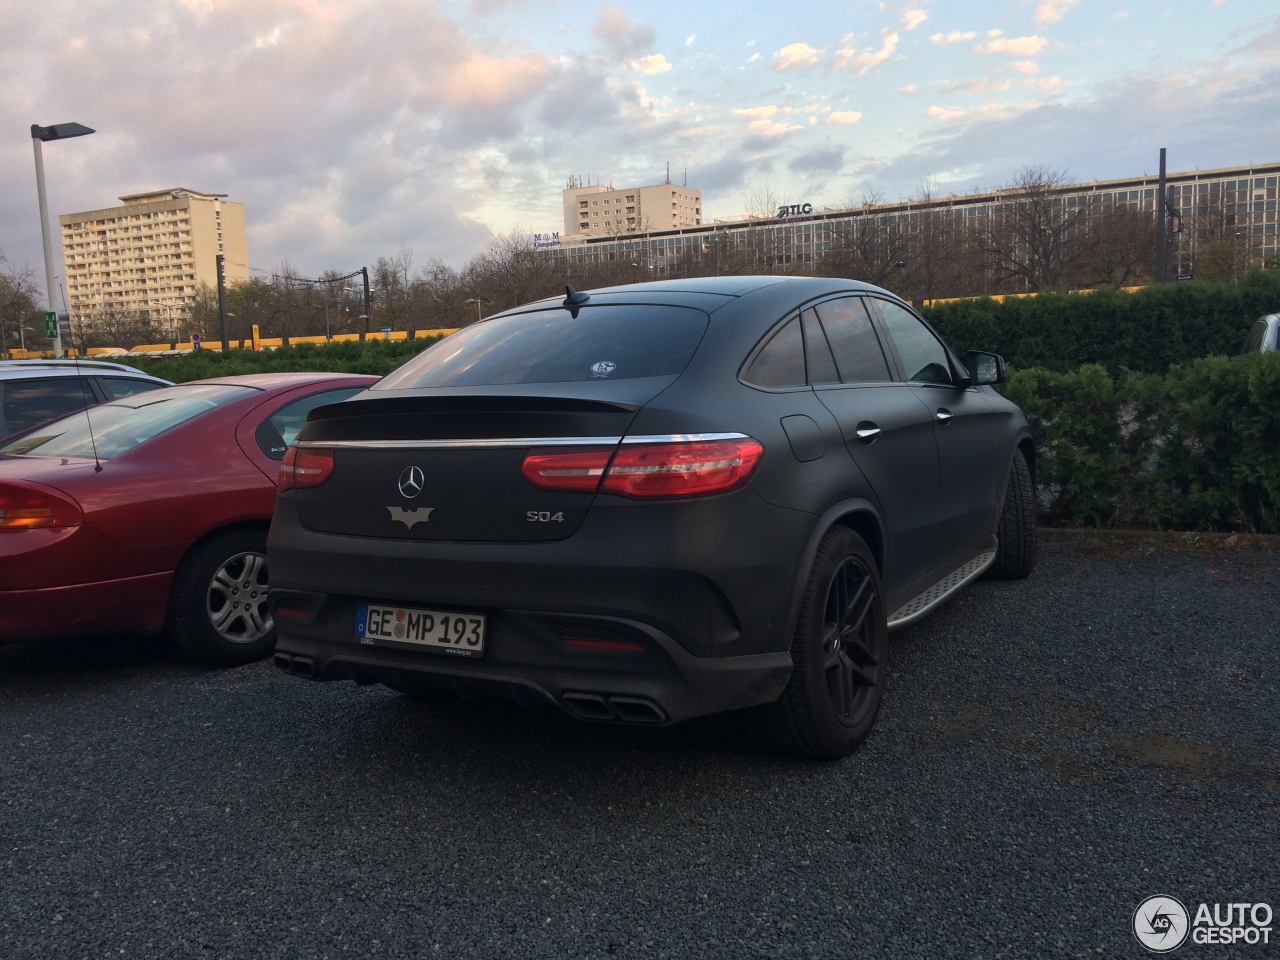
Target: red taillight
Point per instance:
(648, 471)
(690, 469)
(306, 467)
(573, 471)
(28, 506)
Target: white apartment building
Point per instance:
(151, 253)
(602, 211)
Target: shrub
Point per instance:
(1145, 331)
(1195, 449)
(378, 357)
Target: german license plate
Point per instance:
(461, 634)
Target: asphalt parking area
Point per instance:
(1050, 753)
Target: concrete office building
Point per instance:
(1239, 200)
(150, 254)
(601, 211)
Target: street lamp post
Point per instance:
(173, 333)
(39, 134)
(478, 301)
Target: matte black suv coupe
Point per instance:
(653, 502)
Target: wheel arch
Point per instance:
(859, 515)
(232, 527)
(1028, 448)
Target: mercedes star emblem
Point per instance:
(411, 481)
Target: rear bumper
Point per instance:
(527, 661)
(703, 587)
(128, 605)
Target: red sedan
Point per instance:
(150, 513)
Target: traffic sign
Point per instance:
(50, 324)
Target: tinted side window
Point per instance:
(1257, 333)
(854, 341)
(822, 369)
(117, 387)
(28, 402)
(279, 430)
(781, 362)
(923, 355)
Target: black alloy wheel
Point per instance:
(840, 650)
(851, 661)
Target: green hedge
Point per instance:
(1145, 331)
(1195, 449)
(378, 357)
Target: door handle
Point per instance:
(867, 432)
(943, 416)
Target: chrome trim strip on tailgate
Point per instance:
(684, 437)
(503, 442)
(460, 444)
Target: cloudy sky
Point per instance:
(351, 128)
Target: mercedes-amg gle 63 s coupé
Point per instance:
(648, 503)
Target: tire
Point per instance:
(1016, 530)
(839, 652)
(218, 611)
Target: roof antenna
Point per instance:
(97, 464)
(574, 299)
(668, 171)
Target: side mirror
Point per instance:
(984, 368)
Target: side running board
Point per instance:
(922, 603)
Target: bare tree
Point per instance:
(871, 246)
(1222, 241)
(1116, 247)
(1028, 232)
(19, 309)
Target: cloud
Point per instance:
(826, 160)
(978, 85)
(1025, 66)
(1044, 84)
(688, 41)
(866, 59)
(913, 18)
(1051, 11)
(909, 88)
(843, 117)
(799, 56)
(770, 128)
(653, 63)
(756, 113)
(1013, 46)
(945, 113)
(955, 36)
(620, 33)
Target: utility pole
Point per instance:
(364, 272)
(1162, 246)
(222, 305)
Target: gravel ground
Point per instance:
(1050, 753)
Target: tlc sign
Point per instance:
(543, 240)
(795, 210)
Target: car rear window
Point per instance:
(123, 424)
(607, 342)
(24, 403)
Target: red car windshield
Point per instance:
(123, 424)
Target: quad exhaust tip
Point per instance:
(595, 706)
(303, 667)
